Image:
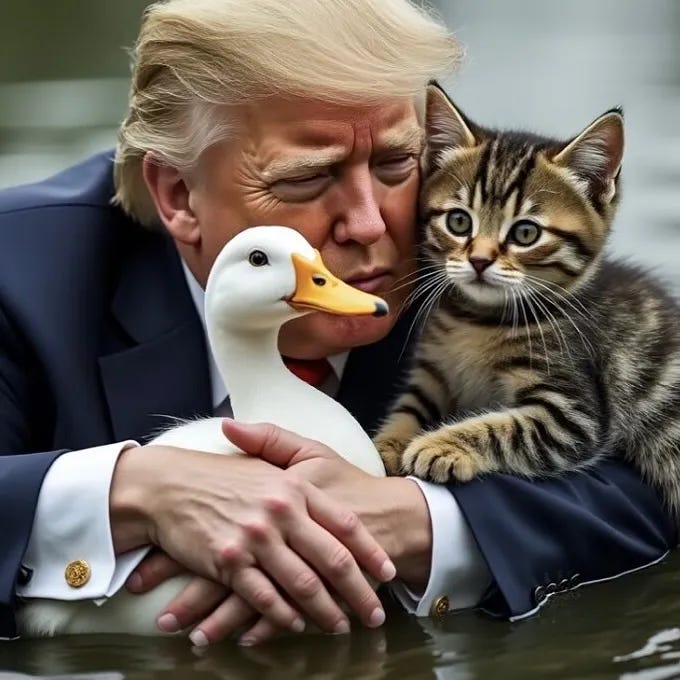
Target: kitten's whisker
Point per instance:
(505, 306)
(515, 315)
(586, 343)
(526, 325)
(535, 296)
(422, 289)
(413, 282)
(424, 267)
(540, 329)
(417, 277)
(558, 330)
(426, 309)
(546, 284)
(587, 318)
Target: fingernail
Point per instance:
(298, 625)
(342, 628)
(198, 638)
(247, 642)
(168, 623)
(134, 581)
(388, 571)
(377, 617)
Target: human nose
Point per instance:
(358, 214)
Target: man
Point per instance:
(247, 112)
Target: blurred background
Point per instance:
(544, 65)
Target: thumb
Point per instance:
(280, 447)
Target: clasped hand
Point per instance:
(263, 540)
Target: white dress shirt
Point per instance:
(72, 523)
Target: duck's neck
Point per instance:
(252, 369)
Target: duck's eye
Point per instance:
(525, 233)
(258, 259)
(459, 222)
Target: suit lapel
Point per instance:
(156, 363)
(374, 373)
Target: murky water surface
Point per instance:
(551, 67)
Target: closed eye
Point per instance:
(299, 189)
(395, 169)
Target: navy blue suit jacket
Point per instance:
(98, 332)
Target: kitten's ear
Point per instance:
(446, 127)
(595, 155)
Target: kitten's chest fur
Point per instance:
(462, 351)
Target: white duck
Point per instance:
(263, 277)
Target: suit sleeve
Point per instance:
(20, 481)
(21, 476)
(53, 507)
(542, 537)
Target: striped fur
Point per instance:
(553, 355)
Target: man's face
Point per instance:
(346, 178)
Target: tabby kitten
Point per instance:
(538, 355)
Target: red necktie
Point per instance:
(312, 371)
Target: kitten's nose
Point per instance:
(480, 263)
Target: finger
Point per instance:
(256, 588)
(223, 621)
(346, 526)
(273, 444)
(196, 600)
(336, 564)
(299, 580)
(263, 631)
(152, 571)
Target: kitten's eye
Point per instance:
(459, 222)
(525, 233)
(258, 259)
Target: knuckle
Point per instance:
(278, 506)
(230, 554)
(348, 523)
(272, 434)
(340, 562)
(306, 585)
(264, 598)
(257, 529)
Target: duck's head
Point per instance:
(265, 276)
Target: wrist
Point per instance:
(131, 524)
(403, 527)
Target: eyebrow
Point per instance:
(404, 139)
(303, 162)
(408, 140)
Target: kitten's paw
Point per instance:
(442, 458)
(391, 451)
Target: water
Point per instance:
(551, 67)
(627, 628)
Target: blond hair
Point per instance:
(195, 58)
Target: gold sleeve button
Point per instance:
(440, 607)
(77, 573)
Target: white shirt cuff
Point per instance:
(72, 523)
(458, 571)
